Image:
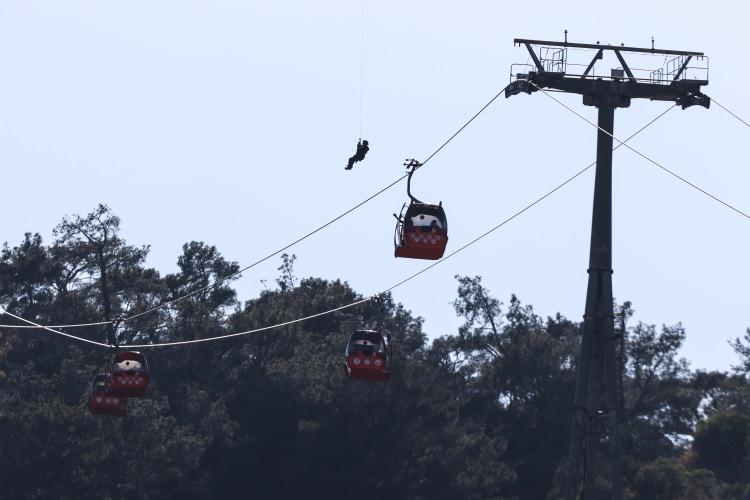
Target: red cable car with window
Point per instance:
(129, 375)
(421, 232)
(367, 356)
(101, 399)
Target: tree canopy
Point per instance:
(482, 413)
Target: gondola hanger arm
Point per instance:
(411, 165)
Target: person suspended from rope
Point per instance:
(362, 149)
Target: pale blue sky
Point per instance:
(230, 122)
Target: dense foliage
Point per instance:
(483, 413)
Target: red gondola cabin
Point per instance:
(102, 401)
(422, 232)
(129, 375)
(367, 356)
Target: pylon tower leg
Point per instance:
(597, 373)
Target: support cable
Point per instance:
(670, 172)
(35, 325)
(70, 325)
(361, 301)
(464, 126)
(729, 111)
(298, 240)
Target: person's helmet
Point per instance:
(365, 142)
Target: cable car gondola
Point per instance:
(101, 399)
(421, 232)
(129, 375)
(367, 356)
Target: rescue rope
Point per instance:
(361, 62)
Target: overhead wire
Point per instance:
(267, 257)
(654, 162)
(729, 111)
(524, 209)
(36, 325)
(70, 325)
(463, 127)
(361, 301)
(293, 243)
